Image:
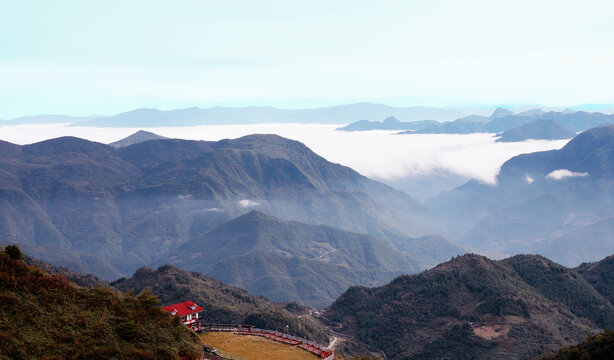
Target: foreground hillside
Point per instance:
(595, 347)
(223, 304)
(475, 308)
(85, 280)
(46, 316)
(107, 211)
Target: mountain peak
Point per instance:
(500, 112)
(391, 120)
(256, 214)
(467, 261)
(275, 257)
(138, 137)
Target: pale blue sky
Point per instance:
(84, 57)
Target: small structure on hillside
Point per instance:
(188, 311)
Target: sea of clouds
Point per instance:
(382, 155)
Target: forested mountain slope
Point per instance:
(475, 308)
(107, 211)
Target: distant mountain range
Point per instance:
(106, 211)
(557, 203)
(389, 123)
(532, 124)
(538, 129)
(503, 121)
(245, 115)
(47, 119)
(426, 126)
(475, 308)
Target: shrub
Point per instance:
(128, 329)
(13, 252)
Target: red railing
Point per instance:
(312, 347)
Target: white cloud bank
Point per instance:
(377, 154)
(246, 203)
(564, 173)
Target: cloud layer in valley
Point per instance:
(377, 154)
(564, 173)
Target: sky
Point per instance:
(83, 57)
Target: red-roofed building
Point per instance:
(188, 311)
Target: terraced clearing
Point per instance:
(254, 347)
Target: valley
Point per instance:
(304, 180)
(344, 259)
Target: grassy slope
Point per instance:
(46, 316)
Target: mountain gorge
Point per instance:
(557, 203)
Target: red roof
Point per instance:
(184, 308)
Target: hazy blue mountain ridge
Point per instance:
(538, 129)
(342, 114)
(292, 261)
(106, 211)
(539, 197)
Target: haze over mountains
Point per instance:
(267, 214)
(245, 115)
(422, 118)
(538, 129)
(556, 203)
(421, 166)
(430, 126)
(531, 124)
(108, 211)
(313, 264)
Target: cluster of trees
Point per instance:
(446, 302)
(594, 347)
(46, 316)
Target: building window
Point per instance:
(183, 318)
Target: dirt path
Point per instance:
(332, 343)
